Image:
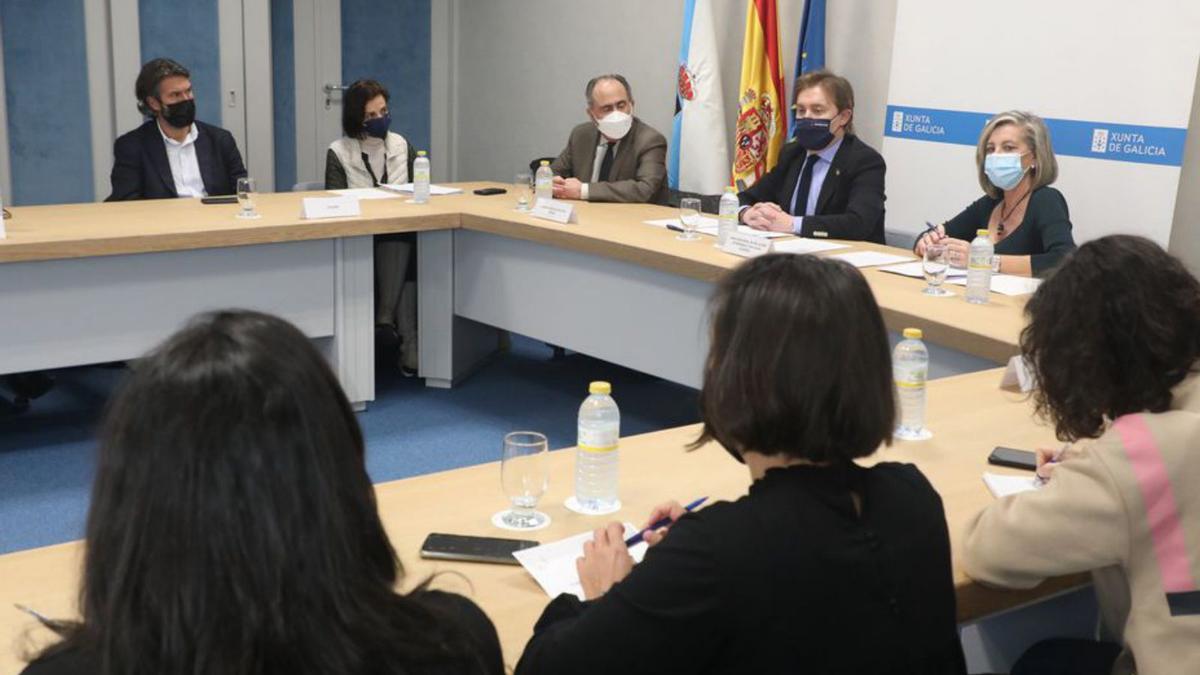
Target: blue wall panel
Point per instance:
(46, 91)
(389, 42)
(283, 77)
(186, 31)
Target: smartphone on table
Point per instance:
(440, 546)
(1013, 458)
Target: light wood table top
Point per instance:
(969, 415)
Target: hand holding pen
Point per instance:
(660, 519)
(1048, 460)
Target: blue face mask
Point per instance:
(1004, 169)
(812, 133)
(378, 127)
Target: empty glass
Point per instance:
(934, 266)
(524, 473)
(689, 217)
(245, 194)
(523, 182)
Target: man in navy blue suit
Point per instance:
(172, 154)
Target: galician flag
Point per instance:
(698, 159)
(761, 122)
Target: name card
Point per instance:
(1018, 376)
(329, 207)
(746, 245)
(556, 210)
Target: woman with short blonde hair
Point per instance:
(1026, 219)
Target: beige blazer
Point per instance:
(639, 170)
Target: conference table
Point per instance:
(93, 283)
(968, 414)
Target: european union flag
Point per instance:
(810, 54)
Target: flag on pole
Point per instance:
(698, 159)
(761, 124)
(810, 52)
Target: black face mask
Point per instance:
(180, 115)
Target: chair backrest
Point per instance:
(708, 203)
(308, 186)
(534, 164)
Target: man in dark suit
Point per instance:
(172, 154)
(615, 157)
(828, 183)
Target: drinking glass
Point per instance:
(689, 217)
(524, 189)
(245, 195)
(934, 265)
(524, 474)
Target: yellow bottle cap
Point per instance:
(545, 162)
(600, 388)
(420, 153)
(730, 188)
(981, 233)
(913, 333)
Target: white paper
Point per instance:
(1006, 284)
(870, 258)
(916, 271)
(552, 565)
(746, 245)
(708, 225)
(1002, 485)
(329, 207)
(556, 210)
(1017, 375)
(367, 193)
(433, 189)
(802, 246)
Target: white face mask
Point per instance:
(615, 124)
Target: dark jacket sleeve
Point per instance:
(479, 629)
(767, 188)
(972, 218)
(234, 168)
(412, 158)
(664, 617)
(126, 176)
(335, 173)
(864, 206)
(646, 183)
(1053, 224)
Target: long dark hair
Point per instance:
(798, 364)
(233, 527)
(1110, 333)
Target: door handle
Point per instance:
(329, 90)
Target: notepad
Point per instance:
(803, 246)
(552, 565)
(433, 189)
(870, 258)
(366, 193)
(1002, 485)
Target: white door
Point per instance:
(319, 86)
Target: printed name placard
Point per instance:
(329, 207)
(553, 209)
(747, 245)
(1018, 376)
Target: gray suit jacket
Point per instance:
(639, 170)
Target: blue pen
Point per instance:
(637, 538)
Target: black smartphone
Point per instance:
(1013, 458)
(225, 199)
(473, 549)
(490, 191)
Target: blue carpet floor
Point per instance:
(47, 453)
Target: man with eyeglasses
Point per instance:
(828, 182)
(615, 157)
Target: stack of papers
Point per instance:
(708, 225)
(553, 565)
(916, 271)
(870, 258)
(1003, 485)
(802, 246)
(433, 189)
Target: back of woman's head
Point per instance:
(1112, 330)
(233, 527)
(798, 363)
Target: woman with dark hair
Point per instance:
(233, 528)
(1114, 338)
(369, 154)
(825, 566)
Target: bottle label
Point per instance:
(598, 440)
(909, 378)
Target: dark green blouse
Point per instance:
(1044, 234)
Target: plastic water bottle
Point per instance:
(421, 179)
(910, 369)
(596, 456)
(543, 182)
(979, 268)
(727, 218)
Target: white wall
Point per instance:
(520, 67)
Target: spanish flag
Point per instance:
(761, 122)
